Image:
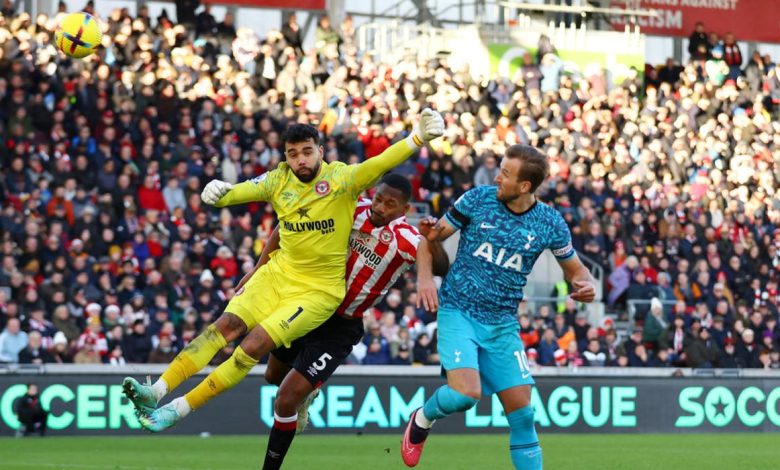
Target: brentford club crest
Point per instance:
(386, 236)
(322, 188)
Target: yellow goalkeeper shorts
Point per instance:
(286, 307)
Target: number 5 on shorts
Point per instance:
(522, 361)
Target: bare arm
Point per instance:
(431, 260)
(578, 276)
(436, 231)
(271, 246)
(427, 293)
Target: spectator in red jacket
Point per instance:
(224, 265)
(59, 206)
(374, 141)
(150, 196)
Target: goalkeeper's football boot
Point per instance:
(160, 419)
(140, 395)
(303, 411)
(410, 451)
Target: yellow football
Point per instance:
(78, 35)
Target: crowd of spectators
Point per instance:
(108, 256)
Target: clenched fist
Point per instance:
(430, 127)
(214, 191)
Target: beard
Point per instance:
(308, 173)
(504, 197)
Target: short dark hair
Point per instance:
(401, 183)
(534, 166)
(300, 133)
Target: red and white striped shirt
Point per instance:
(378, 257)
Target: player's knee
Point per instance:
(286, 404)
(457, 400)
(471, 391)
(470, 399)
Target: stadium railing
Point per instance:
(398, 371)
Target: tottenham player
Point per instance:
(382, 247)
(300, 287)
(503, 232)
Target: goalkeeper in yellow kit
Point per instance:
(302, 284)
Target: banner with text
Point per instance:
(749, 20)
(92, 405)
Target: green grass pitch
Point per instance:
(375, 452)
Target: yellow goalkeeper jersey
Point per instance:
(315, 218)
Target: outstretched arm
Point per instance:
(271, 246)
(430, 127)
(221, 194)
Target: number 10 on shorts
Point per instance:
(522, 361)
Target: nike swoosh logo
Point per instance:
(526, 375)
(487, 226)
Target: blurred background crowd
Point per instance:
(107, 255)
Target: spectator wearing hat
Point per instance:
(92, 345)
(747, 350)
(403, 356)
(60, 352)
(164, 352)
(560, 358)
(727, 358)
(768, 341)
(655, 325)
(718, 331)
(224, 264)
(573, 356)
(582, 329)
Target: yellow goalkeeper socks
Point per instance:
(193, 358)
(224, 377)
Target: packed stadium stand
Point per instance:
(668, 182)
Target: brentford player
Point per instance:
(383, 245)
